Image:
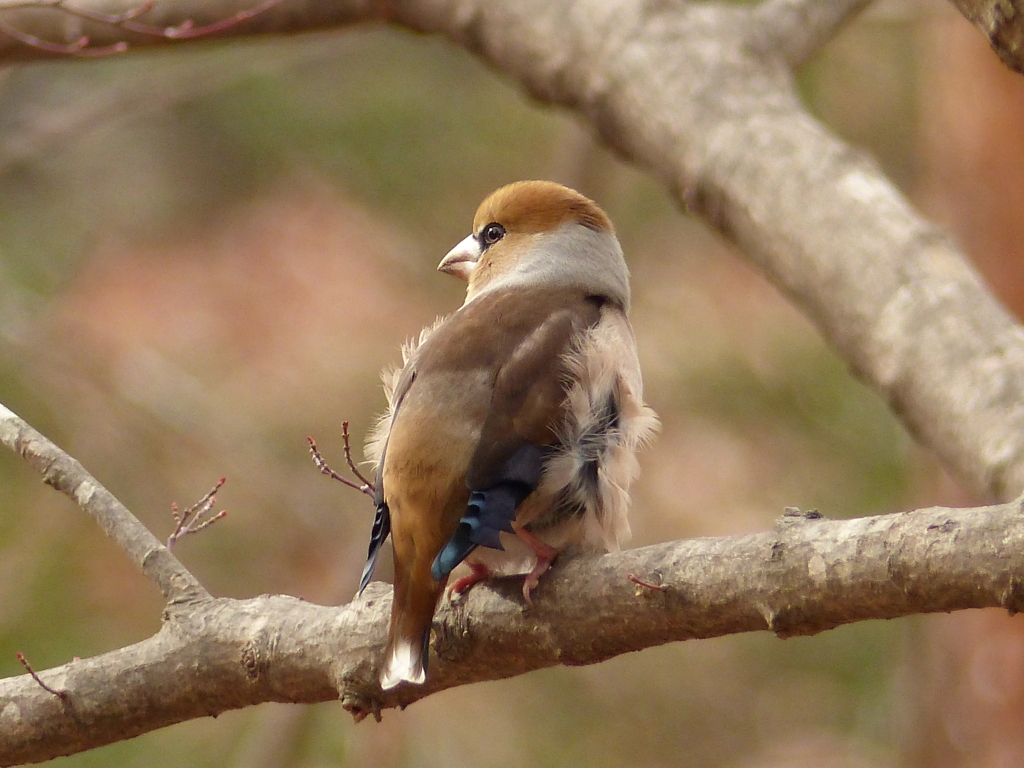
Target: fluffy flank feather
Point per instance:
(410, 347)
(607, 423)
(377, 438)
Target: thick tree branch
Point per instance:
(681, 91)
(69, 477)
(805, 576)
(690, 92)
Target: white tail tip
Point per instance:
(404, 664)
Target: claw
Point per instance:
(546, 555)
(460, 585)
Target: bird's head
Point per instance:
(538, 233)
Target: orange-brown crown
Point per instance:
(539, 206)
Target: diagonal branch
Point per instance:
(808, 575)
(69, 477)
(685, 92)
(690, 92)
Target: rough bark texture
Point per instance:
(806, 576)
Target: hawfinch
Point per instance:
(513, 423)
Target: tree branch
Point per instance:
(69, 477)
(806, 576)
(688, 91)
(684, 91)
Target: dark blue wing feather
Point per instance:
(491, 511)
(379, 534)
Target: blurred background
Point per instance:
(209, 253)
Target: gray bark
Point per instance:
(702, 96)
(805, 576)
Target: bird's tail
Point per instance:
(405, 656)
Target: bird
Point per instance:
(513, 423)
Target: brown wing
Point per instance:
(482, 393)
(529, 393)
(522, 423)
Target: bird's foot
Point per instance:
(546, 555)
(460, 585)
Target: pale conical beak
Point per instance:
(461, 260)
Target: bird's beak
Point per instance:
(461, 260)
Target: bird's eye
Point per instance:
(492, 233)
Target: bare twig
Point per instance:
(68, 476)
(127, 21)
(24, 662)
(646, 584)
(365, 487)
(62, 5)
(196, 517)
(183, 31)
(348, 457)
(77, 48)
